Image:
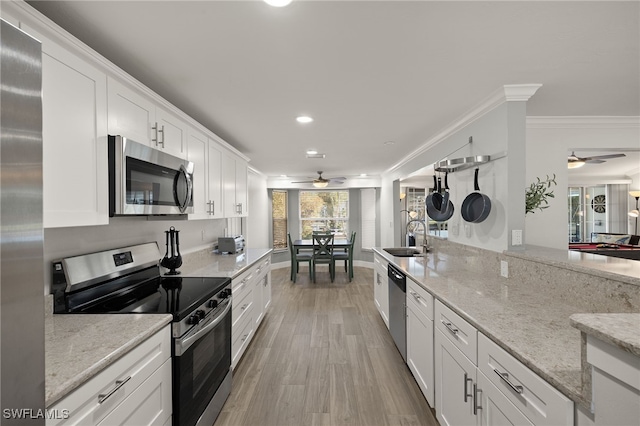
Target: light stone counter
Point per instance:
(620, 330)
(77, 347)
(206, 263)
(528, 313)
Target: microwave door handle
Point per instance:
(182, 204)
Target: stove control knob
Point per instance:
(200, 314)
(224, 294)
(213, 303)
(193, 319)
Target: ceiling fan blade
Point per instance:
(593, 161)
(304, 181)
(604, 157)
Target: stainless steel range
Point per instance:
(128, 280)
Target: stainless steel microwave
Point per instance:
(146, 181)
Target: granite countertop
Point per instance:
(621, 330)
(77, 347)
(207, 263)
(530, 324)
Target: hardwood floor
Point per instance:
(323, 356)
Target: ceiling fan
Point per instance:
(321, 182)
(573, 162)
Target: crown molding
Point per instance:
(589, 122)
(506, 93)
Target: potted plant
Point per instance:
(537, 194)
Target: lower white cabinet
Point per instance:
(251, 293)
(136, 389)
(420, 339)
(381, 287)
(495, 408)
(455, 384)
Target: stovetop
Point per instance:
(179, 296)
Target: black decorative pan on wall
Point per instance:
(476, 206)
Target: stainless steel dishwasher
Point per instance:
(398, 308)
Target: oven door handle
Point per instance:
(182, 345)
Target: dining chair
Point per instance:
(347, 256)
(296, 258)
(323, 254)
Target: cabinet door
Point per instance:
(171, 133)
(242, 199)
(266, 292)
(74, 124)
(420, 349)
(149, 404)
(229, 184)
(381, 292)
(131, 115)
(214, 168)
(496, 409)
(258, 306)
(455, 376)
(198, 145)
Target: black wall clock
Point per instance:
(598, 204)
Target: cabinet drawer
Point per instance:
(462, 334)
(380, 264)
(242, 305)
(95, 399)
(241, 336)
(150, 404)
(262, 267)
(537, 399)
(421, 297)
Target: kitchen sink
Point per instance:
(402, 251)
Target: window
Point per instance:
(368, 212)
(279, 215)
(324, 211)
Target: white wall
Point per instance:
(257, 235)
(548, 141)
(499, 130)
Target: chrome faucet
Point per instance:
(424, 228)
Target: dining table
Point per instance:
(308, 244)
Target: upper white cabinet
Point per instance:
(234, 177)
(135, 116)
(74, 131)
(206, 155)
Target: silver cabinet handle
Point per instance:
(239, 208)
(415, 295)
(244, 337)
(476, 407)
(449, 327)
(210, 209)
(155, 129)
(161, 131)
(505, 377)
(466, 379)
(119, 383)
(244, 307)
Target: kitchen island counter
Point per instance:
(527, 314)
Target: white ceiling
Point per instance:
(367, 71)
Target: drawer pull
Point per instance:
(244, 337)
(505, 377)
(454, 331)
(415, 295)
(466, 379)
(119, 383)
(244, 307)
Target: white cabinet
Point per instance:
(420, 339)
(206, 156)
(262, 290)
(251, 293)
(135, 116)
(455, 384)
(136, 389)
(479, 383)
(74, 131)
(234, 177)
(381, 287)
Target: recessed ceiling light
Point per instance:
(283, 176)
(363, 175)
(277, 3)
(312, 152)
(389, 143)
(304, 119)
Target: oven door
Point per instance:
(202, 360)
(146, 181)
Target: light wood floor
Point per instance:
(323, 356)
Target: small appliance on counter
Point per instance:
(231, 245)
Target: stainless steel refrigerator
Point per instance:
(21, 234)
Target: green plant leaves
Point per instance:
(537, 194)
